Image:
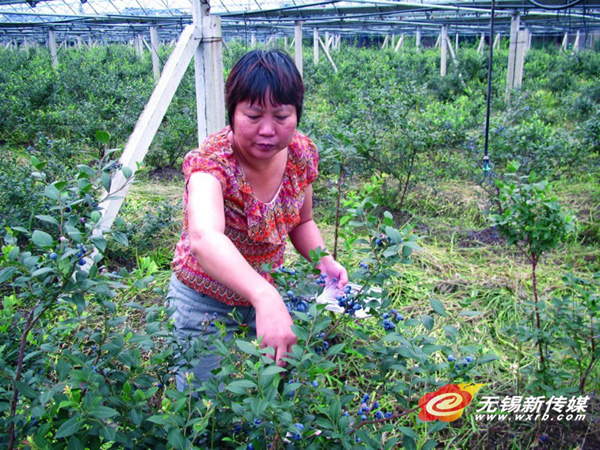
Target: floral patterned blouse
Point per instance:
(258, 230)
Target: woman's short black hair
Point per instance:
(260, 71)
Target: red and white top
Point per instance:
(258, 230)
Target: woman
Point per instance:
(248, 188)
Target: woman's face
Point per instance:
(262, 131)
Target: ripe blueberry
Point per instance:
(450, 358)
(469, 359)
(53, 256)
(315, 383)
(81, 262)
(379, 415)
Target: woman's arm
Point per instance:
(222, 261)
(307, 236)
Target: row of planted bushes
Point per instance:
(88, 354)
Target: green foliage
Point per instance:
(85, 365)
(532, 219)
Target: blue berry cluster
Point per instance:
(321, 279)
(365, 409)
(348, 301)
(210, 321)
(320, 349)
(462, 363)
(82, 252)
(389, 317)
(383, 239)
(296, 302)
(284, 269)
(297, 435)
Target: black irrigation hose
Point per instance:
(486, 158)
(555, 8)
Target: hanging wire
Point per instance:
(565, 6)
(486, 157)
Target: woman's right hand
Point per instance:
(274, 327)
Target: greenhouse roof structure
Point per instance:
(119, 20)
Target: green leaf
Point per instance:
(69, 427)
(513, 167)
(247, 347)
(74, 444)
(451, 331)
(430, 444)
(488, 357)
(427, 321)
(74, 233)
(6, 274)
(42, 239)
(42, 271)
(240, 386)
(51, 192)
(102, 136)
(161, 419)
(432, 427)
(46, 218)
(409, 432)
(120, 238)
(272, 370)
(26, 390)
(127, 172)
(408, 443)
(102, 412)
(335, 349)
(177, 440)
(100, 243)
(107, 433)
(437, 306)
(106, 180)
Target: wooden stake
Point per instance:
(148, 123)
(315, 46)
(512, 54)
(335, 69)
(444, 50)
(52, 46)
(298, 47)
(154, 50)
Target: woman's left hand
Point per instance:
(335, 272)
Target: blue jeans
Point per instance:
(191, 310)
